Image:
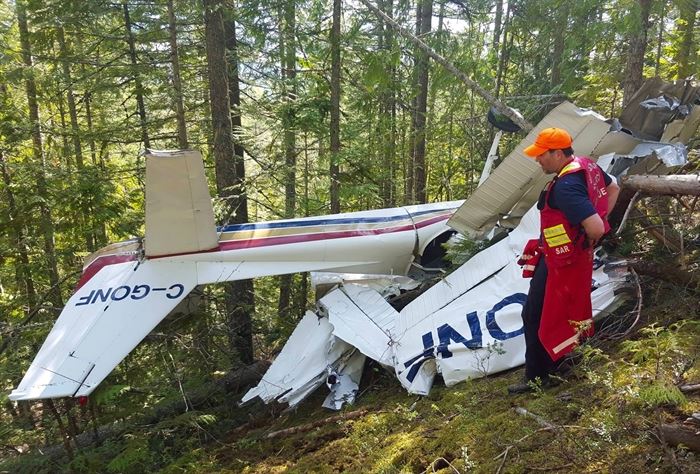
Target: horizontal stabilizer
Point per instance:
(101, 323)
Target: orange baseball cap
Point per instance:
(549, 139)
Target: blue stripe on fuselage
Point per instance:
(316, 222)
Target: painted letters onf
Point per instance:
(447, 335)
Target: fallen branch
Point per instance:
(665, 235)
(540, 421)
(667, 273)
(690, 388)
(675, 434)
(473, 85)
(688, 184)
(310, 426)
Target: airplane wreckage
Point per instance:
(465, 326)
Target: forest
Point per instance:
(305, 108)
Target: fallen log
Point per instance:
(310, 426)
(690, 388)
(675, 434)
(669, 185)
(667, 273)
(232, 382)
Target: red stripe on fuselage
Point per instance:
(106, 260)
(292, 239)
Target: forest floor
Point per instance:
(605, 416)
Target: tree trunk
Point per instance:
(497, 28)
(240, 294)
(410, 184)
(46, 224)
(238, 314)
(85, 209)
(688, 184)
(487, 96)
(633, 75)
(503, 56)
(334, 171)
(422, 71)
(177, 83)
(72, 110)
(138, 86)
(65, 435)
(288, 67)
(388, 113)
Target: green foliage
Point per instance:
(462, 249)
(133, 458)
(659, 394)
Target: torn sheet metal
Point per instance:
(345, 382)
(386, 285)
(301, 366)
(648, 118)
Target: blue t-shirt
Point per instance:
(570, 194)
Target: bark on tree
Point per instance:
(238, 316)
(288, 67)
(46, 225)
(138, 85)
(422, 71)
(669, 185)
(497, 28)
(86, 211)
(410, 174)
(240, 294)
(177, 82)
(633, 75)
(503, 56)
(388, 114)
(334, 170)
(487, 96)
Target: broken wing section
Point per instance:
(302, 365)
(101, 323)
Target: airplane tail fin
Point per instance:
(179, 213)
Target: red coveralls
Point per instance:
(567, 312)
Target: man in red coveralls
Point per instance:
(573, 209)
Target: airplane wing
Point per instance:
(101, 323)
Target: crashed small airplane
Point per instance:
(465, 326)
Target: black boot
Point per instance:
(528, 386)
